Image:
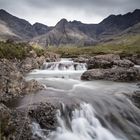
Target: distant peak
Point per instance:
(76, 22)
(39, 24)
(137, 10)
(61, 23)
(3, 11)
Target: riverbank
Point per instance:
(16, 60)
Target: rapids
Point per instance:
(102, 109)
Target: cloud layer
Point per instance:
(51, 11)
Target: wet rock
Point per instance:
(17, 124)
(45, 115)
(32, 86)
(113, 74)
(14, 124)
(135, 98)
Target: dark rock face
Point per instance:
(113, 74)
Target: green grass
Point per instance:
(95, 50)
(11, 50)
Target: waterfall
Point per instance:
(83, 125)
(64, 65)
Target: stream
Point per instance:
(104, 111)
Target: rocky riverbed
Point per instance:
(37, 120)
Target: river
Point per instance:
(104, 111)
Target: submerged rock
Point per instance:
(113, 74)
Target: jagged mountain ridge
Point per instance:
(71, 33)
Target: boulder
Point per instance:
(113, 74)
(98, 63)
(123, 63)
(44, 114)
(108, 61)
(80, 60)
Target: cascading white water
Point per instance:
(64, 65)
(83, 126)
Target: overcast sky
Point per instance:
(51, 11)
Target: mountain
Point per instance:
(74, 33)
(78, 33)
(20, 27)
(64, 33)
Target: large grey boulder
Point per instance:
(113, 74)
(108, 61)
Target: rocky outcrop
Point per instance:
(99, 63)
(12, 82)
(113, 74)
(51, 57)
(17, 124)
(108, 61)
(134, 58)
(123, 63)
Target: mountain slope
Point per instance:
(6, 32)
(22, 28)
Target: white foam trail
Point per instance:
(84, 126)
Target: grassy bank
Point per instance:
(95, 50)
(11, 50)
